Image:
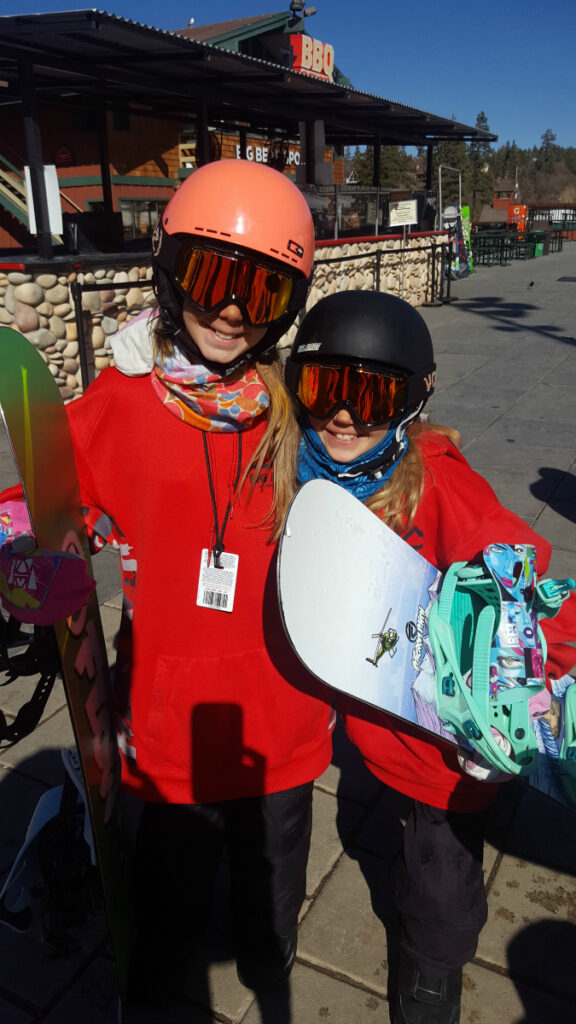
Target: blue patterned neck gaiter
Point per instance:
(362, 477)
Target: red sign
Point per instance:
(312, 57)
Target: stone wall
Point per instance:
(40, 304)
(383, 263)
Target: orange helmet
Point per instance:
(235, 232)
(245, 204)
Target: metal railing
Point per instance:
(437, 257)
(437, 291)
(86, 352)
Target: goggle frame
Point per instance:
(239, 269)
(415, 389)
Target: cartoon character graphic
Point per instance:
(516, 657)
(387, 640)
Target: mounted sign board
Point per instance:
(312, 57)
(52, 196)
(403, 213)
(259, 154)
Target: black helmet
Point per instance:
(372, 330)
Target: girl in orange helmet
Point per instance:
(220, 730)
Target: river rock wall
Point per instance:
(40, 304)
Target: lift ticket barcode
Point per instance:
(216, 587)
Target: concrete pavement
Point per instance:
(506, 351)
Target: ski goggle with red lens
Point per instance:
(211, 278)
(372, 397)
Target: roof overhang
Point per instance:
(91, 57)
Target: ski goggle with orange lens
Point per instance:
(372, 398)
(212, 279)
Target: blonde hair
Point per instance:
(278, 447)
(396, 504)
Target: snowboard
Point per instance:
(357, 603)
(466, 233)
(37, 427)
(460, 253)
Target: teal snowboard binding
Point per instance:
(490, 654)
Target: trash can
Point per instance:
(539, 238)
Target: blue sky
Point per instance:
(514, 61)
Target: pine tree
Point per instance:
(397, 169)
(480, 169)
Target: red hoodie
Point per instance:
(458, 515)
(213, 705)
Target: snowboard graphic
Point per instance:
(460, 250)
(466, 232)
(367, 615)
(37, 428)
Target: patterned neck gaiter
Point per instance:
(203, 399)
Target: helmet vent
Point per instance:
(201, 230)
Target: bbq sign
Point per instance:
(312, 57)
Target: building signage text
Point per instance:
(260, 154)
(312, 57)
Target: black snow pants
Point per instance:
(439, 886)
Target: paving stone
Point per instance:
(523, 435)
(567, 487)
(52, 734)
(492, 998)
(215, 986)
(562, 564)
(553, 483)
(17, 692)
(563, 375)
(558, 525)
(532, 908)
(313, 997)
(115, 601)
(344, 932)
(106, 566)
(110, 624)
(453, 365)
(332, 824)
(547, 402)
(484, 454)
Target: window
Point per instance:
(139, 216)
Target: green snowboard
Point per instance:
(37, 427)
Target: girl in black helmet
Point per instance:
(362, 369)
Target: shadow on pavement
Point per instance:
(558, 490)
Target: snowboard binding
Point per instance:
(490, 652)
